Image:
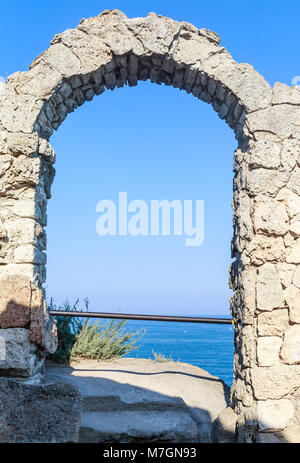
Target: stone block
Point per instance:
(296, 278)
(292, 297)
(269, 291)
(275, 381)
(274, 415)
(290, 352)
(294, 255)
(15, 295)
(18, 356)
(268, 350)
(43, 413)
(270, 217)
(224, 427)
(286, 273)
(273, 323)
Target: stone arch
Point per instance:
(110, 51)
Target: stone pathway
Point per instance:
(138, 400)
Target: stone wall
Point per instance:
(111, 51)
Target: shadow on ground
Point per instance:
(136, 400)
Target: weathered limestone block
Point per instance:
(25, 171)
(28, 254)
(23, 305)
(142, 29)
(26, 208)
(249, 296)
(269, 291)
(243, 301)
(224, 427)
(15, 299)
(34, 83)
(296, 277)
(105, 30)
(286, 273)
(247, 345)
(240, 78)
(289, 241)
(290, 434)
(5, 163)
(290, 153)
(13, 269)
(22, 120)
(192, 48)
(265, 153)
(274, 415)
(247, 425)
(264, 248)
(23, 232)
(290, 352)
(268, 348)
(3, 231)
(242, 392)
(270, 217)
(43, 330)
(269, 438)
(242, 213)
(273, 323)
(293, 256)
(20, 143)
(41, 413)
(291, 200)
(47, 173)
(274, 382)
(296, 401)
(282, 93)
(61, 59)
(279, 120)
(294, 182)
(18, 356)
(295, 226)
(20, 231)
(266, 181)
(292, 297)
(46, 151)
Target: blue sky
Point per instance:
(154, 142)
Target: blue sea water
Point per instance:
(207, 346)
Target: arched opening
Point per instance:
(107, 52)
(168, 146)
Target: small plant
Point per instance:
(81, 338)
(105, 341)
(68, 329)
(161, 358)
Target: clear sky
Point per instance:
(154, 142)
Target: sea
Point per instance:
(207, 346)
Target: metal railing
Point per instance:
(128, 316)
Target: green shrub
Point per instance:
(105, 341)
(80, 338)
(161, 358)
(68, 329)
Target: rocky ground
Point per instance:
(138, 400)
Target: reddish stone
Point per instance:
(15, 301)
(37, 324)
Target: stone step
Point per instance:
(137, 400)
(117, 403)
(138, 426)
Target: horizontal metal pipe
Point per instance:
(127, 316)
